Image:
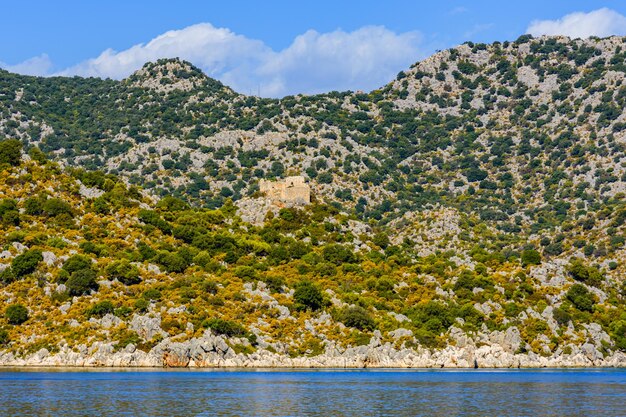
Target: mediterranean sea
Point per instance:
(328, 392)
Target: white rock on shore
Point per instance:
(213, 351)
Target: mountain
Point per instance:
(478, 199)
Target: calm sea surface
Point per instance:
(312, 393)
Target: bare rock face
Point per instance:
(88, 192)
(550, 273)
(254, 210)
(49, 258)
(147, 326)
(213, 351)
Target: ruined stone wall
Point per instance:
(290, 190)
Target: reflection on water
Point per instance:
(312, 393)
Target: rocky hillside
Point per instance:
(497, 120)
(477, 200)
(92, 272)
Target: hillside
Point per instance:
(91, 267)
(472, 209)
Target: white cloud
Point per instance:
(215, 50)
(364, 59)
(602, 22)
(38, 65)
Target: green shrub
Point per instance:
(618, 333)
(475, 175)
(76, 263)
(530, 257)
(16, 314)
(210, 287)
(10, 152)
(561, 316)
(26, 263)
(170, 203)
(101, 309)
(580, 297)
(152, 294)
(34, 205)
(54, 207)
(338, 254)
(123, 311)
(81, 282)
(357, 317)
(125, 338)
(274, 283)
(141, 304)
(124, 272)
(245, 273)
(308, 296)
(37, 155)
(381, 239)
(326, 269)
(588, 274)
(225, 327)
(7, 276)
(172, 262)
(4, 337)
(9, 214)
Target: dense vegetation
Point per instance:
(116, 254)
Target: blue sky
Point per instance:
(276, 46)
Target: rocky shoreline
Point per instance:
(213, 351)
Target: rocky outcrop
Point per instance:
(214, 351)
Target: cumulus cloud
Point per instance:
(215, 50)
(602, 22)
(364, 59)
(38, 65)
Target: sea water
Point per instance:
(104, 392)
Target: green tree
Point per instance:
(16, 314)
(225, 327)
(37, 155)
(77, 262)
(10, 152)
(308, 296)
(26, 263)
(124, 272)
(588, 274)
(81, 282)
(357, 317)
(101, 309)
(381, 239)
(4, 337)
(54, 207)
(530, 257)
(580, 297)
(9, 213)
(338, 254)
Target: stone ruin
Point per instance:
(290, 190)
